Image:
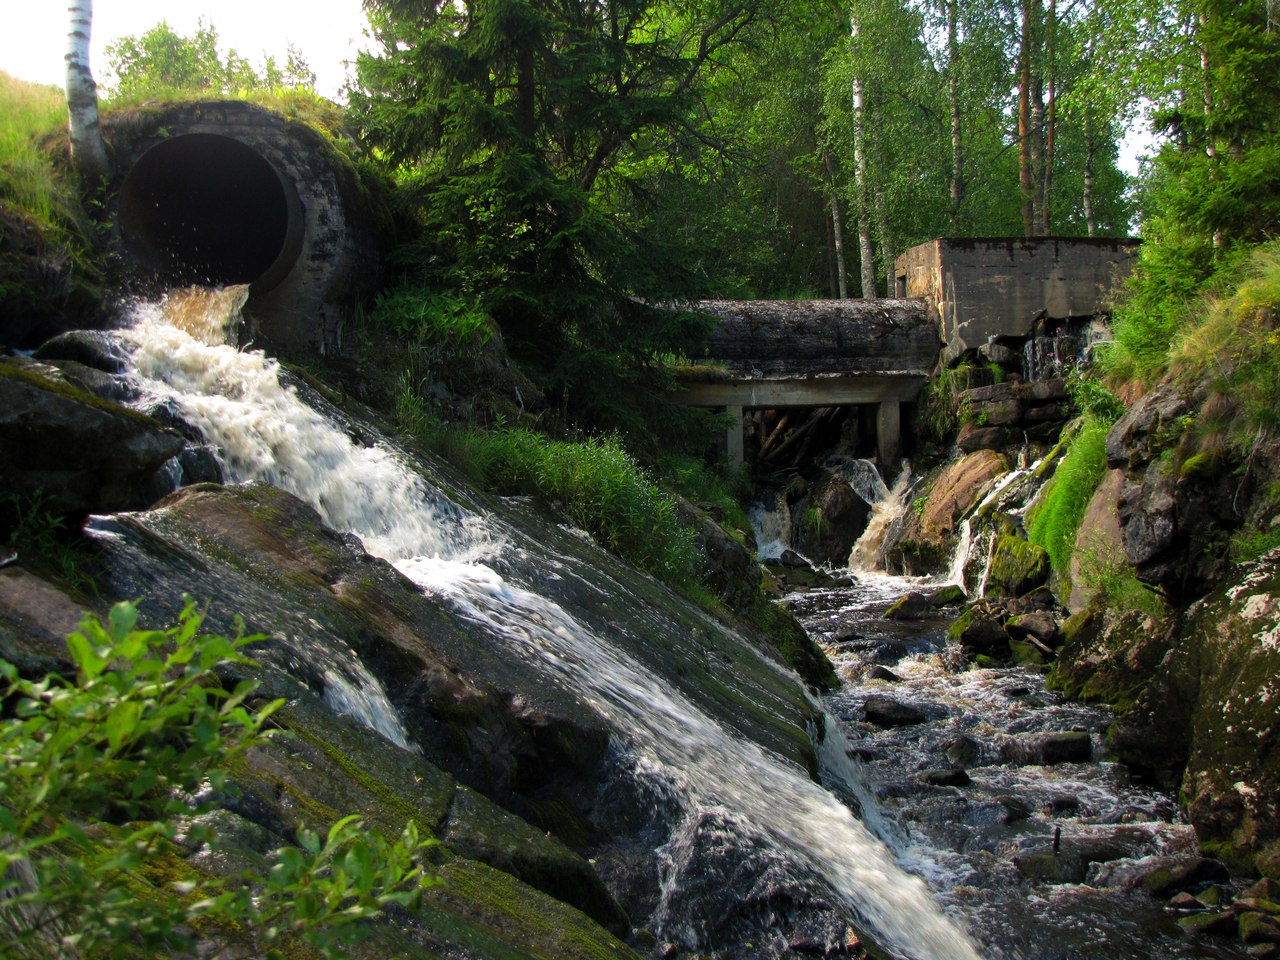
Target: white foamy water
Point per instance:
(266, 433)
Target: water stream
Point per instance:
(264, 432)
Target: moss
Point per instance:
(49, 379)
(1017, 566)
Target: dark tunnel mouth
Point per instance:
(204, 208)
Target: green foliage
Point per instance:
(161, 62)
(1111, 575)
(1247, 545)
(599, 486)
(98, 778)
(27, 180)
(1092, 398)
(42, 539)
(1057, 516)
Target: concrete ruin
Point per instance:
(994, 294)
(226, 192)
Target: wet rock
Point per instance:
(877, 672)
(886, 712)
(100, 349)
(980, 634)
(1040, 626)
(913, 606)
(1221, 923)
(1069, 864)
(1017, 566)
(963, 751)
(928, 536)
(865, 754)
(1258, 904)
(1166, 879)
(731, 570)
(952, 595)
(1185, 901)
(949, 777)
(83, 453)
(973, 438)
(1015, 809)
(199, 464)
(1211, 896)
(1258, 928)
(1061, 805)
(1264, 951)
(1067, 747)
(1267, 888)
(1099, 541)
(1017, 692)
(829, 520)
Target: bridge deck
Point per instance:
(814, 353)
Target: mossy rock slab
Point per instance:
(1017, 566)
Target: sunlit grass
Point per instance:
(28, 112)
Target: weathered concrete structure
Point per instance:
(985, 290)
(814, 353)
(226, 192)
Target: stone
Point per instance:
(962, 751)
(99, 349)
(878, 672)
(1070, 864)
(1041, 626)
(1067, 747)
(1017, 566)
(731, 570)
(887, 712)
(1221, 923)
(1164, 880)
(949, 777)
(1264, 951)
(980, 635)
(913, 606)
(1268, 888)
(1185, 901)
(1062, 804)
(81, 453)
(1258, 928)
(974, 437)
(952, 595)
(1015, 808)
(828, 521)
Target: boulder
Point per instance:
(887, 712)
(913, 606)
(948, 777)
(980, 635)
(952, 595)
(829, 520)
(81, 453)
(927, 538)
(1067, 747)
(731, 570)
(1165, 878)
(1017, 566)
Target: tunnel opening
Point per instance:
(204, 208)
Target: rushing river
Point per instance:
(965, 838)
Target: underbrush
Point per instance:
(595, 482)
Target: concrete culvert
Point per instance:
(228, 192)
(204, 208)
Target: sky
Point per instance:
(33, 33)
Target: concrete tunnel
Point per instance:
(225, 192)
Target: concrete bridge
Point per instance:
(814, 353)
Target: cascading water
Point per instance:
(867, 555)
(266, 433)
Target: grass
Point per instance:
(596, 483)
(1056, 518)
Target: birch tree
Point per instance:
(88, 152)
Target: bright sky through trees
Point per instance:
(328, 32)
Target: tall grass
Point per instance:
(596, 483)
(1057, 517)
(28, 111)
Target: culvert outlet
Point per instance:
(222, 192)
(204, 208)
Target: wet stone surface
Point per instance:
(992, 774)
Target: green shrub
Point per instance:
(1057, 516)
(43, 541)
(98, 775)
(597, 483)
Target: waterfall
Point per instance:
(772, 527)
(265, 432)
(867, 555)
(1011, 487)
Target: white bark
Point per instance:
(88, 152)
(837, 229)
(865, 252)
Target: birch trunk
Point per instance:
(88, 152)
(837, 228)
(1090, 147)
(866, 253)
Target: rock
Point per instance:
(952, 595)
(974, 437)
(1267, 888)
(1258, 904)
(1164, 880)
(85, 454)
(829, 520)
(1061, 804)
(1221, 923)
(100, 349)
(1042, 627)
(877, 672)
(1099, 542)
(927, 538)
(1067, 747)
(886, 712)
(962, 751)
(1070, 864)
(1185, 901)
(1017, 566)
(1015, 809)
(1258, 928)
(731, 569)
(949, 777)
(1264, 951)
(979, 634)
(1211, 896)
(913, 606)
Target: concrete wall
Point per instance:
(307, 306)
(984, 288)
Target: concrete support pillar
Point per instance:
(734, 444)
(888, 435)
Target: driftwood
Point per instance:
(798, 338)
